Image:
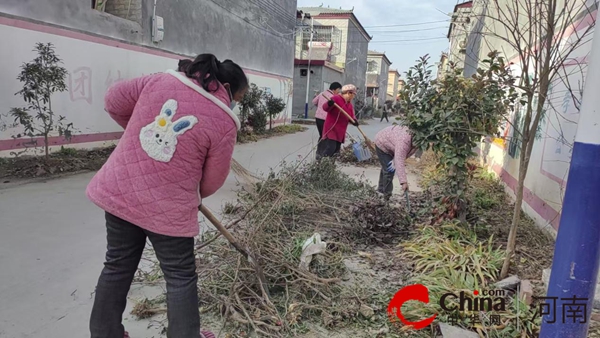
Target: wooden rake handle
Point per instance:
(214, 221)
(259, 271)
(369, 143)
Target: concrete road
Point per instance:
(52, 244)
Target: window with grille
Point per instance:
(322, 34)
(372, 67)
(126, 9)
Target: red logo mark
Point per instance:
(417, 292)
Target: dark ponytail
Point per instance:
(206, 69)
(183, 64)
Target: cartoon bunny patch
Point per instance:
(159, 138)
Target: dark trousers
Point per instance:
(386, 178)
(384, 115)
(328, 148)
(320, 124)
(124, 250)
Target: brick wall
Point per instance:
(126, 9)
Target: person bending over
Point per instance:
(393, 145)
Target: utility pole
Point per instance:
(577, 249)
(312, 21)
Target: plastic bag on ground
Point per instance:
(312, 246)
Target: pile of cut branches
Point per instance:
(294, 205)
(279, 215)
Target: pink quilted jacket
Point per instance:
(176, 150)
(396, 141)
(319, 101)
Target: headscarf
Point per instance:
(349, 88)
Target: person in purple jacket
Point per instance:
(319, 101)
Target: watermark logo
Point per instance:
(494, 302)
(485, 300)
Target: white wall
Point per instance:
(93, 64)
(551, 155)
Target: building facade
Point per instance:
(442, 66)
(345, 61)
(551, 155)
(392, 86)
(401, 84)
(101, 47)
(378, 66)
(458, 35)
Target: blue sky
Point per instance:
(430, 38)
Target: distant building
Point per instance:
(401, 84)
(378, 66)
(442, 66)
(392, 86)
(458, 35)
(339, 52)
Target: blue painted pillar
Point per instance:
(577, 250)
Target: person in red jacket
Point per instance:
(336, 123)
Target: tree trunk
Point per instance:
(512, 236)
(47, 156)
(526, 149)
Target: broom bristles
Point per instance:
(242, 172)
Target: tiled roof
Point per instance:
(372, 53)
(324, 10)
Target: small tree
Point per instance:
(452, 115)
(258, 119)
(274, 106)
(253, 112)
(41, 78)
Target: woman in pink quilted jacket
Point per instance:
(393, 145)
(319, 100)
(176, 149)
